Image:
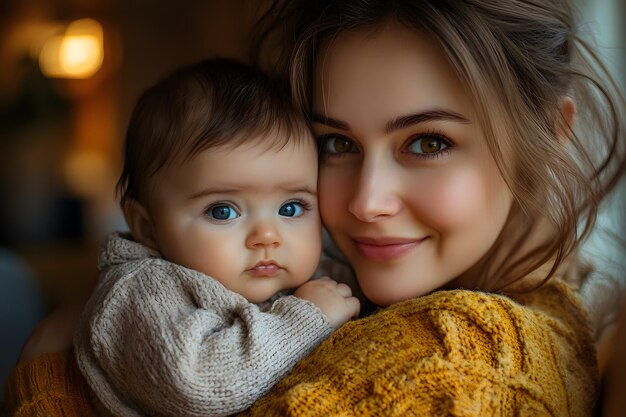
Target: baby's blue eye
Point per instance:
(291, 209)
(222, 212)
(428, 145)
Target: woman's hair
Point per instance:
(518, 61)
(213, 103)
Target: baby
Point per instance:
(191, 315)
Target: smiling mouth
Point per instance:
(385, 249)
(265, 269)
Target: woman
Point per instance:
(457, 151)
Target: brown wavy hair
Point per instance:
(518, 60)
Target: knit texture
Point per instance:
(159, 339)
(452, 353)
(48, 386)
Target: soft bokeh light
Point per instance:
(77, 53)
(88, 173)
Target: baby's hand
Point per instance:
(335, 300)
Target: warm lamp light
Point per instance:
(77, 53)
(87, 173)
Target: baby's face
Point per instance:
(247, 216)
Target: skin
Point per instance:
(408, 188)
(244, 227)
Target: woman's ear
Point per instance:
(567, 110)
(140, 223)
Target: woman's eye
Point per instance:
(334, 145)
(222, 212)
(428, 145)
(291, 209)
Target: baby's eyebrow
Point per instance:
(233, 190)
(209, 191)
(303, 190)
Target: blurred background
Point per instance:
(71, 71)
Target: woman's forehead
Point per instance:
(386, 73)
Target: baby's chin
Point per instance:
(270, 295)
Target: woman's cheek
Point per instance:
(450, 200)
(333, 194)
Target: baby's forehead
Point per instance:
(260, 154)
(274, 146)
(275, 141)
(257, 161)
(238, 155)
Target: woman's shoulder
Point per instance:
(452, 353)
(49, 385)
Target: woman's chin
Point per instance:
(384, 297)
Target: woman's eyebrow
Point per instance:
(400, 122)
(329, 121)
(422, 117)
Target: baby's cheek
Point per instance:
(305, 248)
(225, 247)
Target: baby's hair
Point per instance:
(213, 103)
(518, 61)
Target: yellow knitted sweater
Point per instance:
(50, 385)
(455, 353)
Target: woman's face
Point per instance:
(408, 188)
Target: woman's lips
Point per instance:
(385, 249)
(264, 269)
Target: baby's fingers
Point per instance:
(354, 306)
(343, 290)
(325, 278)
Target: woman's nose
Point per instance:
(375, 196)
(264, 233)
